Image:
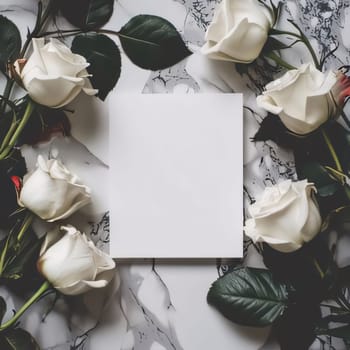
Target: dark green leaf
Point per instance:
(314, 148)
(10, 42)
(338, 332)
(19, 271)
(22, 255)
(17, 339)
(296, 328)
(8, 198)
(86, 14)
(310, 270)
(104, 57)
(312, 156)
(2, 308)
(152, 42)
(249, 297)
(272, 128)
(44, 122)
(343, 317)
(316, 173)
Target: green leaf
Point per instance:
(104, 57)
(249, 297)
(314, 160)
(3, 308)
(86, 14)
(314, 148)
(19, 271)
(17, 339)
(338, 332)
(151, 42)
(44, 122)
(310, 270)
(316, 173)
(8, 199)
(296, 328)
(272, 128)
(22, 255)
(10, 42)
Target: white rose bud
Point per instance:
(304, 98)
(285, 217)
(72, 263)
(52, 192)
(53, 75)
(238, 31)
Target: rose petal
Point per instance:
(61, 61)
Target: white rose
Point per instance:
(72, 263)
(238, 31)
(53, 75)
(285, 217)
(52, 192)
(303, 98)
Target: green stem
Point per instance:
(3, 254)
(9, 134)
(39, 26)
(7, 93)
(280, 61)
(282, 32)
(26, 223)
(68, 31)
(318, 268)
(28, 112)
(345, 118)
(36, 31)
(307, 43)
(335, 159)
(332, 151)
(44, 287)
(303, 39)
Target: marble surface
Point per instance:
(152, 304)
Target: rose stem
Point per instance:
(68, 31)
(3, 254)
(44, 287)
(11, 130)
(279, 61)
(311, 50)
(345, 118)
(318, 268)
(274, 31)
(10, 82)
(332, 151)
(335, 158)
(25, 225)
(303, 39)
(39, 25)
(27, 113)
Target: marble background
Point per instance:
(161, 305)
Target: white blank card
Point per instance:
(176, 165)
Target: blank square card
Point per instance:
(176, 175)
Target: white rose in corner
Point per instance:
(53, 75)
(285, 217)
(303, 98)
(238, 31)
(52, 192)
(72, 263)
